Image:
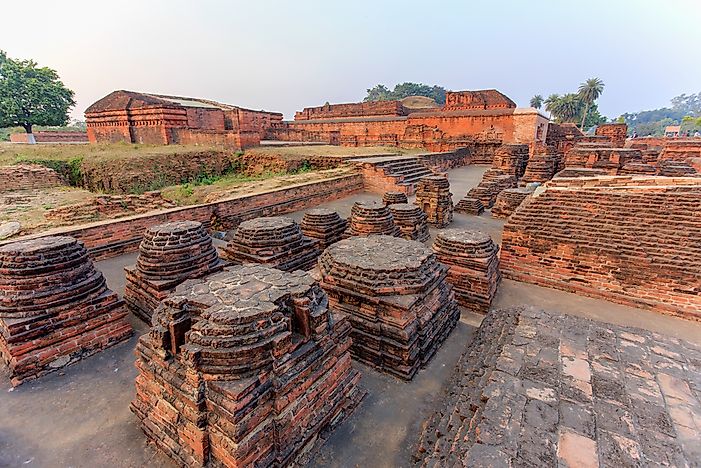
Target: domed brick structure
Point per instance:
(473, 260)
(169, 254)
(411, 222)
(55, 307)
(393, 198)
(324, 225)
(508, 200)
(276, 241)
(396, 296)
(246, 367)
(434, 198)
(471, 206)
(371, 218)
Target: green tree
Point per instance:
(537, 101)
(31, 95)
(382, 93)
(551, 103)
(589, 91)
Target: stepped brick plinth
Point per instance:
(671, 168)
(471, 206)
(55, 307)
(395, 293)
(638, 168)
(629, 239)
(324, 225)
(541, 168)
(371, 218)
(511, 159)
(493, 181)
(472, 258)
(393, 198)
(434, 198)
(246, 367)
(276, 241)
(508, 200)
(411, 221)
(580, 172)
(168, 255)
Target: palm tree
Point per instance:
(589, 91)
(569, 107)
(537, 101)
(551, 103)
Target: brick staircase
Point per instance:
(392, 173)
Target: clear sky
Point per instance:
(285, 55)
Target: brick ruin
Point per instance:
(393, 198)
(616, 133)
(470, 206)
(411, 221)
(248, 367)
(473, 262)
(276, 241)
(629, 239)
(395, 294)
(371, 218)
(508, 200)
(168, 255)
(492, 183)
(434, 198)
(132, 117)
(537, 388)
(28, 177)
(326, 226)
(55, 307)
(466, 117)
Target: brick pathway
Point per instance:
(539, 389)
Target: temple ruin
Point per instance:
(396, 297)
(247, 367)
(55, 307)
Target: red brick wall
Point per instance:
(632, 240)
(27, 176)
(356, 109)
(111, 238)
(51, 137)
(205, 118)
(615, 132)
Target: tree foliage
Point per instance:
(381, 92)
(570, 108)
(537, 101)
(31, 95)
(653, 122)
(588, 93)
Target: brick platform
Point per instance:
(633, 240)
(434, 198)
(247, 367)
(276, 241)
(371, 218)
(472, 258)
(393, 198)
(324, 225)
(168, 255)
(55, 307)
(411, 221)
(543, 389)
(396, 296)
(493, 181)
(471, 206)
(508, 200)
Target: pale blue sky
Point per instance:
(285, 55)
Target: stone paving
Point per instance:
(542, 389)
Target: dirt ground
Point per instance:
(80, 417)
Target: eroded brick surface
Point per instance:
(246, 367)
(543, 389)
(434, 198)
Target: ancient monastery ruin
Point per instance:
(511, 249)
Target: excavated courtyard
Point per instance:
(80, 415)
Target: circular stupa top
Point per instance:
(464, 243)
(270, 231)
(45, 275)
(176, 250)
(320, 212)
(241, 314)
(379, 265)
(403, 207)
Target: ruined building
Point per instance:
(486, 115)
(131, 117)
(244, 368)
